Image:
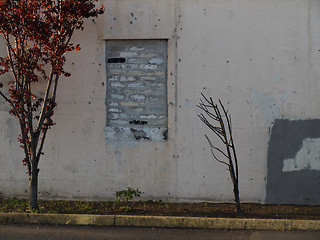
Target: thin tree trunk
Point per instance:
(33, 189)
(237, 198)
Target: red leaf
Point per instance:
(78, 47)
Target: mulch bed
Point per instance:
(158, 208)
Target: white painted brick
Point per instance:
(117, 96)
(148, 78)
(157, 109)
(146, 103)
(121, 122)
(138, 97)
(157, 85)
(129, 66)
(117, 84)
(135, 73)
(114, 104)
(148, 66)
(156, 61)
(114, 110)
(159, 73)
(124, 116)
(113, 78)
(152, 116)
(127, 79)
(117, 72)
(128, 54)
(139, 110)
(136, 85)
(148, 55)
(153, 98)
(128, 90)
(129, 104)
(137, 48)
(137, 60)
(114, 115)
(112, 66)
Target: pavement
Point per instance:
(161, 221)
(68, 232)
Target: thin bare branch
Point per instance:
(215, 148)
(45, 101)
(42, 143)
(12, 105)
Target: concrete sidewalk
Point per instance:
(162, 221)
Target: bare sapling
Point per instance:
(217, 119)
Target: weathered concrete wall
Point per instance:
(261, 58)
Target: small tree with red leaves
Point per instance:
(37, 34)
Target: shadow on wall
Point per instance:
(294, 163)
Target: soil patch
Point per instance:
(158, 208)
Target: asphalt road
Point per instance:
(43, 232)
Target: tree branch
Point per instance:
(12, 105)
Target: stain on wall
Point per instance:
(294, 162)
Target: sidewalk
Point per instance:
(162, 221)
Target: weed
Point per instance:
(127, 195)
(126, 208)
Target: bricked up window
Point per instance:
(137, 89)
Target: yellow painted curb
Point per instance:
(162, 221)
(217, 223)
(58, 219)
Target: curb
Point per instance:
(162, 221)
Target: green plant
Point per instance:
(126, 208)
(127, 195)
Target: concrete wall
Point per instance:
(260, 57)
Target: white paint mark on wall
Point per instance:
(283, 97)
(267, 105)
(189, 103)
(308, 157)
(230, 16)
(279, 79)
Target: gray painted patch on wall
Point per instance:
(293, 174)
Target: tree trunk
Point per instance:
(33, 190)
(237, 198)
